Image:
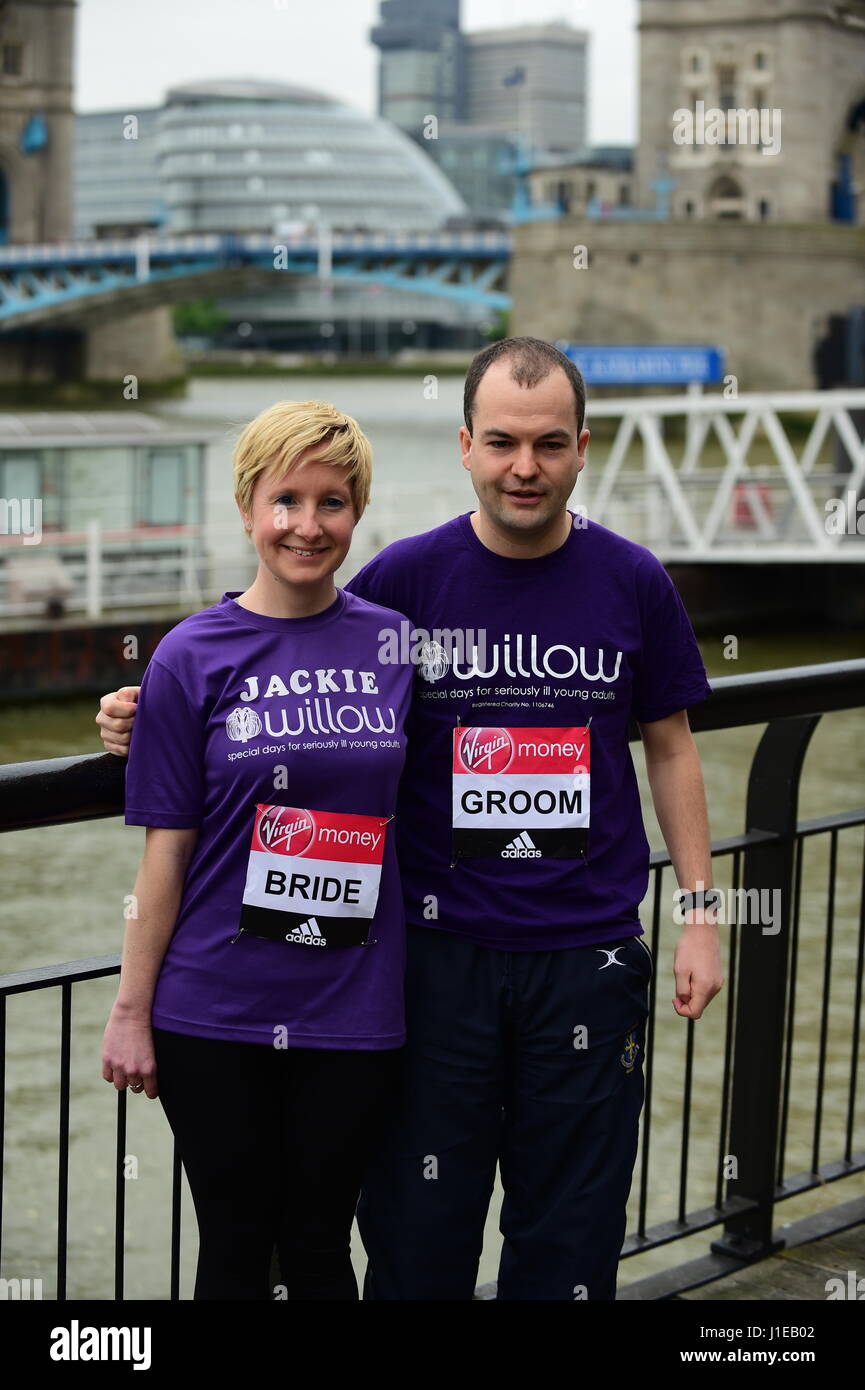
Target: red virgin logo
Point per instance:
(486, 750)
(285, 830)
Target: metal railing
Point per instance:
(761, 975)
(783, 482)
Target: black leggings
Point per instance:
(274, 1142)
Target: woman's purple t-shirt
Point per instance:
(238, 709)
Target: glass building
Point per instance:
(262, 157)
(117, 189)
(246, 156)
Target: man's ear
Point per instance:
(465, 446)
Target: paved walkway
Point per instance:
(800, 1272)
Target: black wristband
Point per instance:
(707, 897)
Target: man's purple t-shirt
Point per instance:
(238, 709)
(591, 635)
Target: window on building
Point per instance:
(690, 208)
(21, 476)
(163, 492)
(624, 195)
(765, 209)
(11, 59)
(725, 200)
(761, 60)
(590, 189)
(560, 194)
(726, 87)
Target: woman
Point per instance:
(261, 986)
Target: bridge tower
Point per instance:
(36, 119)
(37, 41)
(801, 62)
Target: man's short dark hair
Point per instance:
(531, 361)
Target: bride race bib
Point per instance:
(313, 877)
(520, 793)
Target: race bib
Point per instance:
(520, 793)
(313, 877)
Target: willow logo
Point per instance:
(242, 725)
(433, 661)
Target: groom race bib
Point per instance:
(313, 877)
(520, 793)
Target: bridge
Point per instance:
(90, 281)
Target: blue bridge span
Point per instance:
(89, 281)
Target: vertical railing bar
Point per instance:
(793, 975)
(2, 1107)
(824, 1013)
(63, 1156)
(729, 1026)
(120, 1197)
(857, 1007)
(761, 994)
(686, 1120)
(650, 1043)
(175, 1224)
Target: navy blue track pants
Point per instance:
(532, 1059)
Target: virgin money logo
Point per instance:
(285, 830)
(486, 750)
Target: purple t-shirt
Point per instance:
(524, 832)
(238, 710)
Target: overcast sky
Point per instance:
(130, 51)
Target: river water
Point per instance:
(64, 889)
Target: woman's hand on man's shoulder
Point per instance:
(116, 713)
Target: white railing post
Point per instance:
(142, 257)
(94, 569)
(693, 390)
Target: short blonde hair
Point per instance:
(277, 437)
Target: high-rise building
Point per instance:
(530, 81)
(478, 103)
(421, 67)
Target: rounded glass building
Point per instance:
(247, 156)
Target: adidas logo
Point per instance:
(307, 934)
(522, 847)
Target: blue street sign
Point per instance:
(655, 364)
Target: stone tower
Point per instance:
(791, 72)
(36, 119)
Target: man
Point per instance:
(537, 635)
